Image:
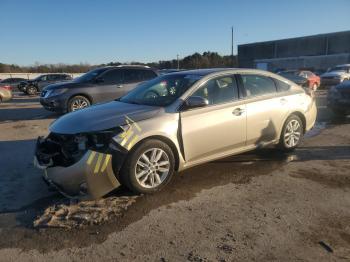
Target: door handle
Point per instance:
(238, 111)
(119, 86)
(283, 101)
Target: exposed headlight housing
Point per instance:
(100, 141)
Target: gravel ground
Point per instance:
(260, 206)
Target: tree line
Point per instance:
(194, 61)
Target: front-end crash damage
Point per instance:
(85, 164)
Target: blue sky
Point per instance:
(103, 31)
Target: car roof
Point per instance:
(342, 65)
(126, 66)
(203, 72)
(208, 71)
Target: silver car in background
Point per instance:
(169, 124)
(5, 93)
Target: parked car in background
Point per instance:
(37, 84)
(313, 81)
(171, 123)
(12, 81)
(336, 75)
(168, 71)
(338, 99)
(96, 86)
(301, 81)
(5, 93)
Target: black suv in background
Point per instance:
(31, 87)
(98, 85)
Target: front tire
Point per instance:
(292, 133)
(31, 90)
(78, 102)
(149, 167)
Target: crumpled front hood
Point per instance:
(101, 117)
(333, 73)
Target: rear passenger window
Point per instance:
(257, 85)
(132, 76)
(148, 74)
(282, 86)
(113, 77)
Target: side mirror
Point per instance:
(195, 101)
(99, 80)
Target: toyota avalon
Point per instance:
(169, 124)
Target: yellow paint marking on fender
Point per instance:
(104, 166)
(91, 158)
(126, 138)
(132, 142)
(98, 163)
(135, 124)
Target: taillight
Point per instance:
(7, 87)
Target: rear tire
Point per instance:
(78, 102)
(148, 168)
(292, 133)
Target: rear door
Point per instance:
(266, 109)
(217, 129)
(110, 87)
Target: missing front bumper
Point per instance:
(91, 176)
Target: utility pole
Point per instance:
(178, 62)
(233, 62)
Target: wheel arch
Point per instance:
(80, 94)
(165, 140)
(301, 116)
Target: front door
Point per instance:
(217, 129)
(111, 86)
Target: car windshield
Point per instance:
(161, 91)
(91, 75)
(38, 78)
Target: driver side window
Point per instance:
(219, 90)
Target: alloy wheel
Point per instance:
(79, 103)
(152, 168)
(292, 133)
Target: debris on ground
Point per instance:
(83, 213)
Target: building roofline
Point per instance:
(293, 38)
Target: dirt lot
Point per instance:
(260, 206)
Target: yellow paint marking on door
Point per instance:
(105, 163)
(91, 157)
(98, 163)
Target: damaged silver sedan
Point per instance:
(171, 123)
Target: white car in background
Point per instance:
(336, 75)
